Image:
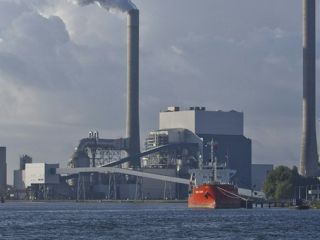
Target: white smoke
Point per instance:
(122, 5)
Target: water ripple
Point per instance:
(35, 221)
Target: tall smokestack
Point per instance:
(309, 152)
(133, 130)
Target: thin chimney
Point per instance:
(133, 130)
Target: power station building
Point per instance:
(226, 129)
(3, 170)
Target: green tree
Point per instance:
(282, 183)
(279, 184)
(284, 190)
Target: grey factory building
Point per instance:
(3, 170)
(19, 177)
(224, 128)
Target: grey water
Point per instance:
(152, 221)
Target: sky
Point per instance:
(63, 71)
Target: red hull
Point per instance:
(214, 196)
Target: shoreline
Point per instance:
(98, 201)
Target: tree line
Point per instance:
(283, 183)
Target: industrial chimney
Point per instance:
(309, 153)
(133, 130)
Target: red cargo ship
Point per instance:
(214, 196)
(210, 186)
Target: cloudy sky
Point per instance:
(63, 72)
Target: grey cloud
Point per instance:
(68, 63)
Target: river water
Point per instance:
(152, 221)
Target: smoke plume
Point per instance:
(122, 5)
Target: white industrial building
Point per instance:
(43, 183)
(41, 173)
(32, 178)
(200, 121)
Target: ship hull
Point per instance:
(214, 196)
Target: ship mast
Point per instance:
(214, 161)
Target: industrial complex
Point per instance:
(182, 143)
(186, 139)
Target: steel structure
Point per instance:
(150, 151)
(98, 151)
(107, 170)
(71, 171)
